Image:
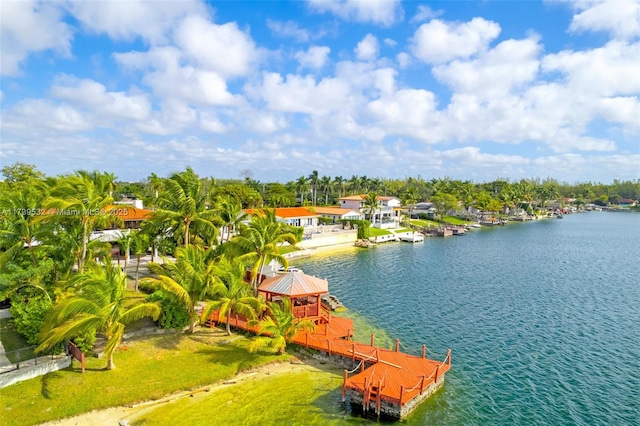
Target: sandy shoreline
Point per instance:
(130, 413)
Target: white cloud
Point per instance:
(425, 13)
(315, 57)
(302, 94)
(385, 13)
(93, 95)
(510, 64)
(211, 123)
(223, 49)
(37, 116)
(30, 26)
(367, 49)
(288, 29)
(606, 71)
(439, 41)
(390, 42)
(169, 79)
(127, 20)
(404, 60)
(619, 18)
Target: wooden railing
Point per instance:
(407, 395)
(305, 311)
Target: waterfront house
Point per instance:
(294, 216)
(336, 214)
(387, 214)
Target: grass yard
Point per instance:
(287, 249)
(377, 232)
(456, 220)
(147, 368)
(423, 223)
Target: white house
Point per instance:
(387, 215)
(336, 213)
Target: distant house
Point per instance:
(295, 216)
(387, 215)
(336, 213)
(131, 218)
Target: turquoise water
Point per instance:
(543, 318)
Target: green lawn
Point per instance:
(12, 341)
(287, 249)
(423, 223)
(377, 232)
(147, 369)
(456, 220)
(398, 231)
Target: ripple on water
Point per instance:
(543, 318)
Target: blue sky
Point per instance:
(464, 89)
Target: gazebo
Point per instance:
(303, 290)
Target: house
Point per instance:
(387, 215)
(294, 216)
(337, 214)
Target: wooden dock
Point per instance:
(380, 381)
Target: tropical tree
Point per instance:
(230, 215)
(83, 199)
(182, 209)
(326, 186)
(139, 245)
(279, 328)
(313, 182)
(340, 183)
(371, 205)
(302, 186)
(125, 241)
(258, 243)
(189, 278)
(443, 202)
(233, 294)
(97, 306)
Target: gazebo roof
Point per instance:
(294, 284)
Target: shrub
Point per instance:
(174, 313)
(29, 315)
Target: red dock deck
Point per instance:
(384, 381)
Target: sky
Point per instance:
(471, 90)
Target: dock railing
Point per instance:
(407, 395)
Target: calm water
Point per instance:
(543, 318)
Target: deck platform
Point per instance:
(384, 381)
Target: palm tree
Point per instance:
(371, 204)
(258, 243)
(354, 184)
(313, 181)
(82, 198)
(302, 186)
(326, 186)
(280, 327)
(233, 293)
(22, 212)
(125, 241)
(230, 214)
(139, 245)
(189, 278)
(340, 183)
(98, 306)
(182, 209)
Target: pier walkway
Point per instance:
(383, 381)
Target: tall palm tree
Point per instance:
(280, 327)
(21, 212)
(258, 243)
(233, 293)
(326, 186)
(230, 214)
(354, 184)
(340, 183)
(82, 198)
(139, 246)
(371, 205)
(302, 186)
(190, 278)
(313, 181)
(182, 209)
(409, 199)
(98, 306)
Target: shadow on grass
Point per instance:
(46, 383)
(171, 340)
